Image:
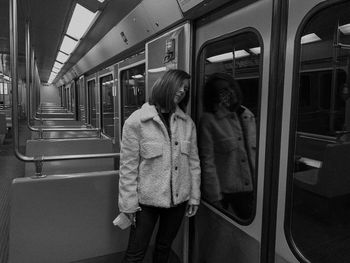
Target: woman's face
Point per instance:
(227, 96)
(181, 92)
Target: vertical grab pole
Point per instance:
(14, 80)
(31, 89)
(28, 77)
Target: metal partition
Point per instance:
(73, 221)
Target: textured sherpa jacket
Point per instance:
(154, 169)
(227, 147)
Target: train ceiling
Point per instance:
(48, 23)
(49, 20)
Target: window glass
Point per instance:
(320, 215)
(106, 86)
(227, 107)
(133, 90)
(92, 102)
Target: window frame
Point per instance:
(293, 124)
(198, 73)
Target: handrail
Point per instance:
(14, 81)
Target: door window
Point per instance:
(107, 109)
(132, 89)
(319, 210)
(227, 114)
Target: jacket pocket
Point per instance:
(226, 145)
(185, 147)
(151, 150)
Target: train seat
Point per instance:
(56, 115)
(37, 148)
(61, 123)
(332, 178)
(3, 128)
(8, 114)
(65, 134)
(65, 218)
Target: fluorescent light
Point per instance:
(138, 76)
(309, 38)
(241, 53)
(155, 70)
(57, 65)
(101, 1)
(68, 45)
(345, 29)
(52, 77)
(80, 21)
(53, 70)
(6, 78)
(228, 56)
(61, 57)
(58, 69)
(255, 50)
(221, 57)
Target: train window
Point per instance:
(107, 109)
(228, 109)
(132, 90)
(319, 218)
(92, 103)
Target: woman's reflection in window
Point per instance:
(227, 144)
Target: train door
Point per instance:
(231, 43)
(64, 97)
(314, 187)
(81, 100)
(116, 95)
(132, 85)
(107, 101)
(72, 97)
(91, 84)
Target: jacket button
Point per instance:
(239, 138)
(176, 143)
(243, 160)
(175, 168)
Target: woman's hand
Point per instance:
(191, 210)
(132, 218)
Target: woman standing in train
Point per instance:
(227, 147)
(159, 167)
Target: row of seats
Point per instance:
(67, 215)
(3, 127)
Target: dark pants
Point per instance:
(169, 223)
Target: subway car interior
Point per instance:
(73, 71)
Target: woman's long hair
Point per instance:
(165, 88)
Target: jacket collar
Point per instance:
(150, 112)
